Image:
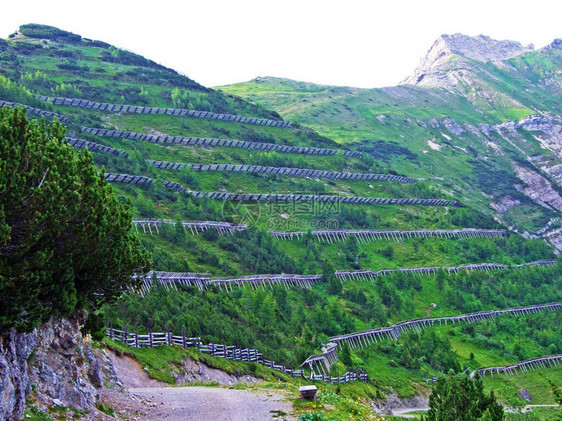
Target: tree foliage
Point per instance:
(64, 239)
(458, 397)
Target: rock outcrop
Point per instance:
(56, 364)
(15, 349)
(447, 47)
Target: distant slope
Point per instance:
(407, 131)
(483, 119)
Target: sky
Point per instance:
(359, 43)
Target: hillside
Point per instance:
(479, 117)
(284, 230)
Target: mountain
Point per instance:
(479, 117)
(283, 217)
(436, 67)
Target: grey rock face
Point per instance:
(55, 360)
(15, 349)
(480, 48)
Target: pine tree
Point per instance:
(459, 397)
(334, 284)
(65, 241)
(346, 356)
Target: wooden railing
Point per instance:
(152, 339)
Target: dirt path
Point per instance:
(405, 412)
(210, 403)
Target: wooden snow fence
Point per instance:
(287, 171)
(230, 352)
(257, 281)
(96, 147)
(367, 337)
(128, 179)
(151, 226)
(323, 361)
(288, 198)
(370, 275)
(364, 236)
(203, 281)
(280, 198)
(214, 142)
(36, 111)
(119, 108)
(170, 281)
(195, 227)
(523, 367)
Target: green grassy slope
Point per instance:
(441, 133)
(290, 325)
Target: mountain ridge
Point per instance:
(481, 48)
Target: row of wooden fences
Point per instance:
(218, 143)
(287, 171)
(123, 108)
(523, 367)
(152, 225)
(365, 338)
(229, 352)
(280, 198)
(36, 111)
(203, 281)
(96, 147)
(370, 275)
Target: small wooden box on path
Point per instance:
(308, 392)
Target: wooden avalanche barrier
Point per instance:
(523, 367)
(36, 111)
(253, 197)
(96, 147)
(370, 275)
(293, 172)
(323, 361)
(213, 142)
(364, 236)
(114, 108)
(171, 280)
(259, 197)
(195, 227)
(367, 337)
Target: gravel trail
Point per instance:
(210, 403)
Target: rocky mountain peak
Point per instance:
(481, 48)
(555, 45)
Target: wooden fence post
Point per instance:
(151, 344)
(110, 330)
(136, 338)
(183, 339)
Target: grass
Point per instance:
(536, 382)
